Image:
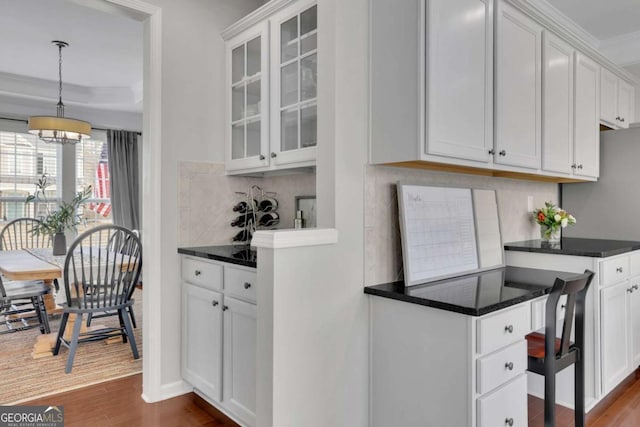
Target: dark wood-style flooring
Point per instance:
(118, 403)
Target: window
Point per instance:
(92, 168)
(23, 159)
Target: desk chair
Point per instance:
(565, 352)
(101, 267)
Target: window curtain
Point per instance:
(125, 177)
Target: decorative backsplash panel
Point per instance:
(383, 251)
(206, 196)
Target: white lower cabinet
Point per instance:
(506, 406)
(202, 339)
(615, 335)
(219, 335)
(239, 360)
(432, 367)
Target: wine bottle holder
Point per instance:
(254, 210)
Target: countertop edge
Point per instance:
(214, 257)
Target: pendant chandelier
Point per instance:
(59, 129)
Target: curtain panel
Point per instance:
(125, 177)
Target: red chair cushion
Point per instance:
(535, 345)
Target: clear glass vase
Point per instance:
(550, 234)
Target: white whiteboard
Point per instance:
(447, 232)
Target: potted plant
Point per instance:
(56, 222)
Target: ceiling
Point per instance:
(102, 67)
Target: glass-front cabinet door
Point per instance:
(294, 56)
(247, 130)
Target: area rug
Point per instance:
(24, 378)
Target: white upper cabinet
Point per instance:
(294, 48)
(248, 99)
(586, 107)
(272, 88)
(459, 43)
(616, 100)
(518, 88)
(557, 120)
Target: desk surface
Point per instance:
(21, 265)
(475, 294)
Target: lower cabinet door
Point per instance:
(239, 377)
(506, 406)
(202, 339)
(614, 325)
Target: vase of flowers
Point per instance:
(552, 220)
(56, 222)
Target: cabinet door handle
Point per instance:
(503, 152)
(214, 303)
(618, 118)
(273, 155)
(509, 366)
(247, 285)
(622, 119)
(261, 157)
(573, 166)
(492, 151)
(508, 328)
(198, 272)
(635, 287)
(508, 421)
(629, 290)
(619, 269)
(580, 166)
(562, 307)
(225, 308)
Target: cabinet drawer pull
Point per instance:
(562, 307)
(225, 308)
(508, 421)
(635, 287)
(198, 272)
(247, 285)
(261, 157)
(492, 151)
(618, 118)
(503, 152)
(273, 155)
(580, 166)
(573, 166)
(509, 329)
(619, 269)
(508, 366)
(622, 119)
(214, 303)
(629, 290)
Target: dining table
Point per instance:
(39, 264)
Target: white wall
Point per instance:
(192, 128)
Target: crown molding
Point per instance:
(254, 17)
(564, 27)
(112, 98)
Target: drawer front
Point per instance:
(634, 264)
(202, 273)
(504, 328)
(240, 283)
(507, 406)
(614, 270)
(501, 366)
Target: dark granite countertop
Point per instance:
(234, 254)
(597, 248)
(475, 294)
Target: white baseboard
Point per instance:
(167, 391)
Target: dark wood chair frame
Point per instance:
(565, 352)
(107, 289)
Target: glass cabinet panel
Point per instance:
(246, 99)
(298, 81)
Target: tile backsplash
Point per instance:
(383, 251)
(206, 196)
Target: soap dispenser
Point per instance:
(298, 222)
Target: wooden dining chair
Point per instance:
(18, 234)
(99, 273)
(563, 352)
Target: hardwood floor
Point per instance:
(621, 408)
(118, 403)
